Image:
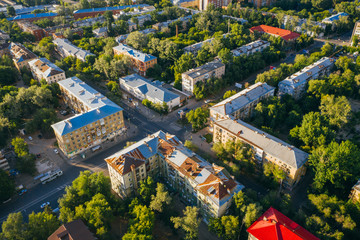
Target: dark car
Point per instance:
(38, 155)
(40, 136)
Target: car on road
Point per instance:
(30, 138)
(38, 155)
(22, 192)
(44, 204)
(56, 151)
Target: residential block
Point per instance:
(44, 69)
(65, 48)
(251, 48)
(21, 56)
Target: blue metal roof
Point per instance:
(109, 8)
(123, 48)
(30, 9)
(27, 16)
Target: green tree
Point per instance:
(161, 199)
(335, 164)
(7, 186)
(14, 227)
(272, 170)
(198, 118)
(8, 75)
(137, 40)
(189, 222)
(336, 109)
(146, 190)
(109, 21)
(42, 120)
(229, 93)
(21, 147)
(41, 225)
(10, 10)
(142, 221)
(226, 227)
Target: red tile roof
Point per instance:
(284, 34)
(273, 225)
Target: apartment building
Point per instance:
(21, 55)
(162, 25)
(267, 148)
(92, 12)
(89, 22)
(100, 32)
(65, 48)
(355, 33)
(44, 69)
(251, 48)
(199, 183)
(262, 3)
(194, 48)
(273, 224)
(203, 4)
(335, 17)
(142, 89)
(141, 62)
(241, 105)
(122, 38)
(33, 29)
(215, 69)
(295, 85)
(355, 192)
(33, 17)
(141, 19)
(99, 119)
(287, 35)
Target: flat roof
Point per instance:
(134, 53)
(204, 69)
(109, 8)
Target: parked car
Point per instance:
(56, 151)
(30, 138)
(44, 204)
(22, 192)
(38, 155)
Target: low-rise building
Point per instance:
(141, 62)
(33, 17)
(75, 230)
(142, 89)
(277, 32)
(59, 33)
(99, 119)
(267, 148)
(21, 55)
(4, 37)
(122, 38)
(65, 48)
(295, 84)
(251, 48)
(214, 69)
(44, 69)
(141, 19)
(240, 20)
(27, 10)
(355, 192)
(203, 4)
(92, 12)
(162, 25)
(89, 21)
(241, 105)
(33, 29)
(100, 32)
(273, 224)
(200, 183)
(194, 48)
(335, 17)
(355, 33)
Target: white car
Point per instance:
(44, 204)
(30, 138)
(56, 151)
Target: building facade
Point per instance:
(203, 4)
(142, 89)
(214, 69)
(33, 29)
(65, 48)
(44, 69)
(141, 62)
(199, 183)
(241, 105)
(267, 148)
(262, 3)
(295, 85)
(355, 192)
(194, 48)
(275, 225)
(93, 12)
(355, 33)
(251, 48)
(21, 56)
(99, 119)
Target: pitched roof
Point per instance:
(33, 15)
(75, 230)
(204, 69)
(143, 57)
(153, 90)
(109, 8)
(335, 17)
(20, 53)
(284, 34)
(357, 186)
(45, 67)
(283, 151)
(304, 74)
(245, 49)
(242, 98)
(273, 225)
(72, 49)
